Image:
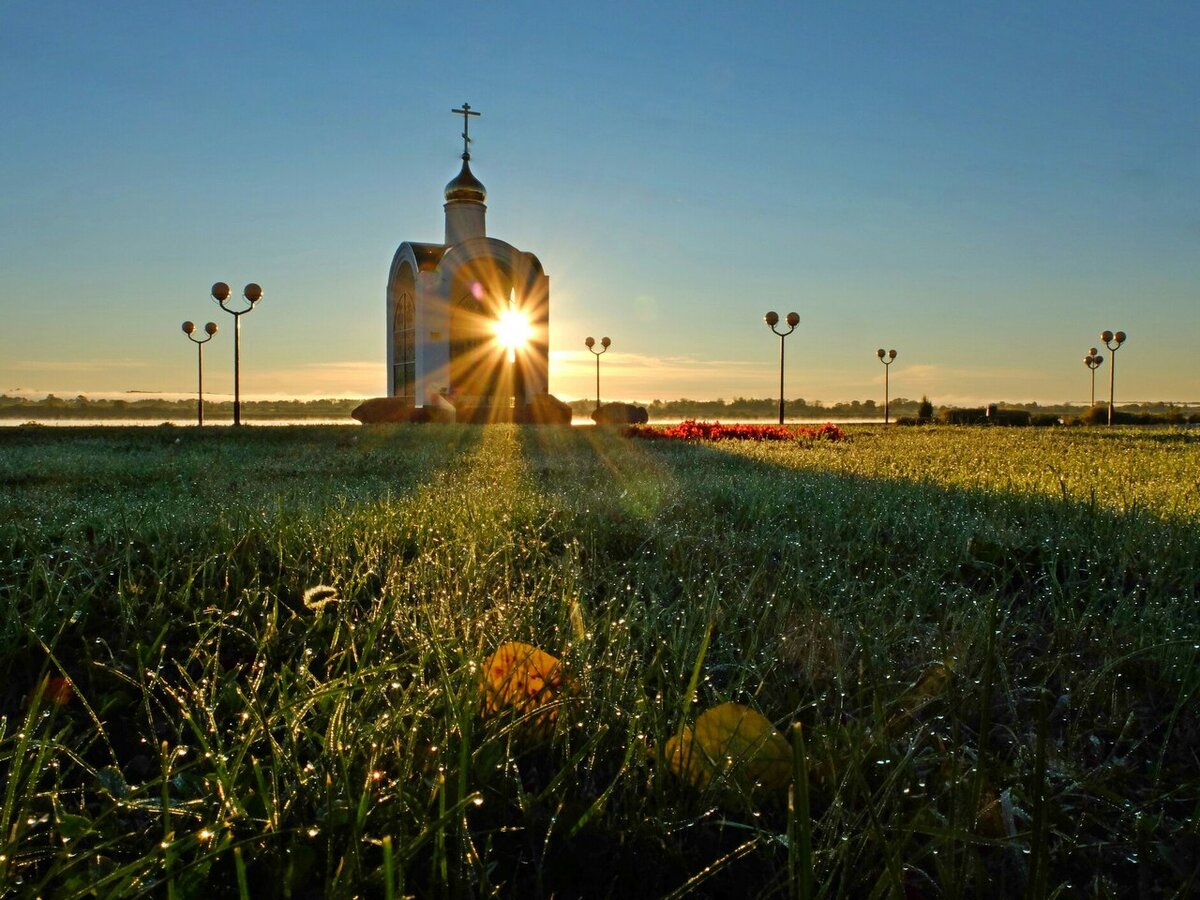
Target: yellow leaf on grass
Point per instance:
(734, 742)
(688, 761)
(990, 819)
(929, 687)
(521, 677)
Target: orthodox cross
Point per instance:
(466, 112)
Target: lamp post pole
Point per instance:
(1113, 342)
(1092, 361)
(887, 359)
(605, 343)
(252, 293)
(189, 328)
(772, 319)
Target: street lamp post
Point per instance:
(772, 319)
(1113, 342)
(189, 328)
(252, 293)
(1092, 361)
(605, 343)
(887, 359)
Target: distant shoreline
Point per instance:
(83, 410)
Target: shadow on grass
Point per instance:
(110, 534)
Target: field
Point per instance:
(988, 639)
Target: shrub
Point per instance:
(925, 410)
(1098, 415)
(967, 416)
(990, 415)
(1011, 417)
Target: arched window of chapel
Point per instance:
(404, 344)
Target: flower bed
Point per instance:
(691, 430)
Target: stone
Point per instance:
(546, 409)
(620, 414)
(441, 410)
(388, 411)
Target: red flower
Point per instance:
(691, 430)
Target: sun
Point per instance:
(513, 330)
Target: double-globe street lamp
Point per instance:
(887, 358)
(1093, 361)
(772, 319)
(252, 293)
(605, 343)
(1113, 342)
(189, 328)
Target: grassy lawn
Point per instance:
(989, 640)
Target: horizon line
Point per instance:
(220, 397)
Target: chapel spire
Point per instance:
(466, 113)
(465, 194)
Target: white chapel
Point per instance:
(467, 319)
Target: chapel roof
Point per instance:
(428, 255)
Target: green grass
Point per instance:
(226, 738)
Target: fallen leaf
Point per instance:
(989, 820)
(55, 689)
(521, 677)
(929, 687)
(687, 761)
(735, 744)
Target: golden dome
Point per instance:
(466, 186)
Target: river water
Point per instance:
(153, 423)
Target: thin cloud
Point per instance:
(72, 366)
(633, 376)
(340, 378)
(573, 372)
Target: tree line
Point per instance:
(766, 408)
(81, 407)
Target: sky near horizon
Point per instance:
(983, 187)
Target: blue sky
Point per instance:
(983, 187)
